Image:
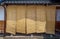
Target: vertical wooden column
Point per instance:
(21, 10)
(11, 19)
(50, 26)
(41, 19)
(30, 23)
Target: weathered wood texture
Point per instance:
(1, 26)
(57, 26)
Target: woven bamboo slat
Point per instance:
(50, 26)
(41, 19)
(11, 19)
(30, 20)
(21, 10)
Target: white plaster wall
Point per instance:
(1, 13)
(58, 14)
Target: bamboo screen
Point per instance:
(30, 19)
(11, 19)
(50, 26)
(41, 19)
(21, 10)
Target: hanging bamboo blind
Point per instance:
(41, 19)
(50, 13)
(21, 10)
(30, 19)
(11, 19)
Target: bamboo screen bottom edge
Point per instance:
(30, 19)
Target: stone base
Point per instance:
(1, 37)
(24, 37)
